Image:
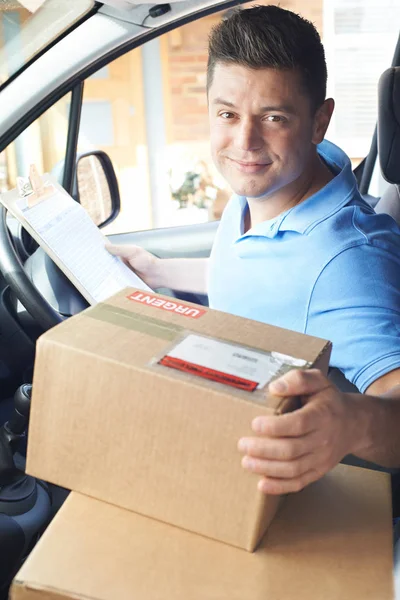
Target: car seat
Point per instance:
(389, 141)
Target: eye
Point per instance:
(226, 115)
(275, 118)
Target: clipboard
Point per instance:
(65, 231)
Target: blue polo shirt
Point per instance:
(328, 267)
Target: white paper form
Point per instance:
(65, 231)
(232, 359)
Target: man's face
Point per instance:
(263, 131)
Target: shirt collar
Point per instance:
(318, 207)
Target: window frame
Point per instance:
(74, 119)
(92, 11)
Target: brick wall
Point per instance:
(187, 60)
(186, 66)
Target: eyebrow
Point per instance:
(283, 108)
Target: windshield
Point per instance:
(28, 26)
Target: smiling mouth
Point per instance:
(249, 167)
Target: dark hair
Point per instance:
(270, 37)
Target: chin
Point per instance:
(249, 192)
(250, 188)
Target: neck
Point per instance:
(314, 178)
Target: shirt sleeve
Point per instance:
(355, 303)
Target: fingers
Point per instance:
(286, 465)
(294, 449)
(295, 424)
(292, 469)
(126, 251)
(280, 448)
(275, 486)
(299, 383)
(299, 422)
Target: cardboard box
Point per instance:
(141, 401)
(332, 541)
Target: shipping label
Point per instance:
(231, 364)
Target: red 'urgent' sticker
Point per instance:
(176, 307)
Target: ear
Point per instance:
(322, 119)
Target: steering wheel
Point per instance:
(17, 279)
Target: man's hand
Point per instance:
(292, 450)
(184, 274)
(144, 264)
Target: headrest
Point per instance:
(389, 124)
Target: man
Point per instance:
(297, 247)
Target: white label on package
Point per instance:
(227, 363)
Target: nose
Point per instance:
(249, 136)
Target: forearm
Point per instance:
(377, 427)
(184, 274)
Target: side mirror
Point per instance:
(97, 187)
